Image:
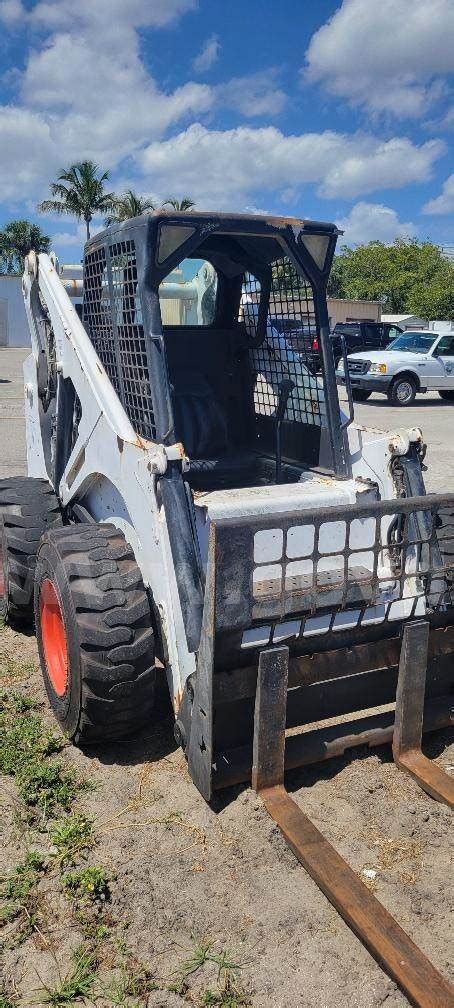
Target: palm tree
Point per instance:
(79, 191)
(16, 241)
(130, 204)
(185, 204)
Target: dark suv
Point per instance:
(362, 336)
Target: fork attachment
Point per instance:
(367, 918)
(411, 687)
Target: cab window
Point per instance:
(445, 347)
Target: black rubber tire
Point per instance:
(393, 398)
(448, 394)
(27, 508)
(108, 624)
(360, 395)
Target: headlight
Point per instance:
(378, 369)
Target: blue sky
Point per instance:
(338, 111)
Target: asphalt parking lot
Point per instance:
(435, 417)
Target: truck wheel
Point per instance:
(403, 391)
(447, 394)
(94, 630)
(27, 508)
(360, 395)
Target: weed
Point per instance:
(25, 744)
(18, 888)
(229, 993)
(131, 988)
(72, 836)
(202, 953)
(88, 883)
(78, 983)
(18, 885)
(23, 736)
(48, 786)
(5, 1000)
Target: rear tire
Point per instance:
(94, 630)
(27, 508)
(403, 391)
(360, 395)
(448, 394)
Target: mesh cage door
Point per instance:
(289, 350)
(113, 319)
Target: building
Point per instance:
(406, 321)
(347, 310)
(13, 320)
(14, 331)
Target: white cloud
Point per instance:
(11, 12)
(28, 151)
(373, 221)
(224, 168)
(108, 15)
(444, 203)
(257, 94)
(208, 55)
(387, 56)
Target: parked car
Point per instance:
(414, 362)
(362, 336)
(299, 337)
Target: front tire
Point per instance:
(448, 394)
(27, 508)
(403, 391)
(94, 631)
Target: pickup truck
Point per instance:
(414, 362)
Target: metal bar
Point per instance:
(367, 918)
(232, 766)
(269, 724)
(408, 724)
(371, 509)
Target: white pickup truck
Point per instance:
(414, 362)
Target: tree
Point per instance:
(80, 192)
(408, 276)
(130, 204)
(16, 240)
(184, 204)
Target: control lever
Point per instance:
(285, 390)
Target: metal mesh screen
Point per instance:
(133, 363)
(113, 319)
(290, 348)
(342, 568)
(97, 315)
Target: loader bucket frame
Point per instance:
(306, 579)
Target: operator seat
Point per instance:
(201, 423)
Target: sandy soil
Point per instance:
(184, 872)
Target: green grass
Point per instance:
(26, 748)
(228, 993)
(79, 982)
(18, 885)
(72, 837)
(90, 883)
(5, 1000)
(18, 889)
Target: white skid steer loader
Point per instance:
(195, 495)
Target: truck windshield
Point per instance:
(416, 342)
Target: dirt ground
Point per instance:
(183, 874)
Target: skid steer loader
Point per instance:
(196, 497)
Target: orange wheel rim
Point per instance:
(53, 636)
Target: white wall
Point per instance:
(13, 320)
